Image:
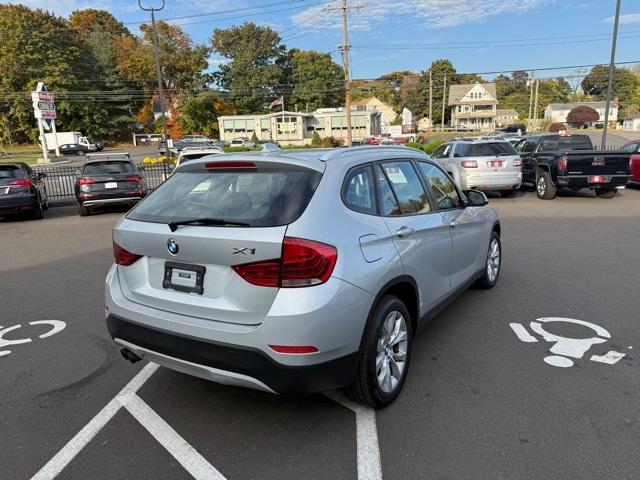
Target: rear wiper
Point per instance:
(205, 221)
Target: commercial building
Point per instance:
(473, 106)
(297, 128)
(557, 112)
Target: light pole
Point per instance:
(156, 52)
(612, 66)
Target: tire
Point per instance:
(509, 193)
(606, 192)
(80, 153)
(492, 264)
(37, 212)
(84, 211)
(544, 187)
(392, 313)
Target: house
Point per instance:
(631, 124)
(557, 112)
(388, 115)
(297, 128)
(505, 116)
(473, 106)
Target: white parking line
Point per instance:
(185, 454)
(369, 464)
(54, 466)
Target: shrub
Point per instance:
(235, 149)
(315, 140)
(556, 127)
(582, 115)
(432, 146)
(331, 142)
(254, 138)
(599, 126)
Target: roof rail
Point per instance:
(339, 152)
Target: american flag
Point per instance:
(277, 102)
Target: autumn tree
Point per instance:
(582, 115)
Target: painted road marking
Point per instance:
(564, 347)
(57, 325)
(368, 447)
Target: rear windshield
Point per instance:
(490, 149)
(573, 142)
(108, 168)
(260, 199)
(10, 171)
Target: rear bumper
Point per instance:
(12, 204)
(582, 181)
(501, 181)
(96, 202)
(230, 364)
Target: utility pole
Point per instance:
(612, 66)
(156, 52)
(430, 98)
(535, 103)
(344, 50)
(444, 102)
(531, 84)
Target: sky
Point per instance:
(388, 35)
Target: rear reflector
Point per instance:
(229, 165)
(124, 257)
(294, 350)
(303, 263)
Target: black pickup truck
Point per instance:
(553, 161)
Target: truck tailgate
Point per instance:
(597, 162)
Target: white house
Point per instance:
(474, 106)
(631, 124)
(557, 112)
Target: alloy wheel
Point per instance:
(542, 186)
(391, 355)
(493, 260)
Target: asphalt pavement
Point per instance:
(482, 399)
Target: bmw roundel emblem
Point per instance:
(172, 246)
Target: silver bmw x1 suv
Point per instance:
(297, 272)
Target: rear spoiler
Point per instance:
(106, 156)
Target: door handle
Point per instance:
(404, 232)
(454, 224)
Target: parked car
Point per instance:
(194, 153)
(293, 272)
(242, 142)
(487, 165)
(519, 128)
(387, 141)
(110, 179)
(554, 161)
(22, 191)
(634, 163)
(73, 149)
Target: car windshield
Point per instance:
(488, 149)
(260, 199)
(99, 168)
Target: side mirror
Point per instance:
(41, 175)
(476, 198)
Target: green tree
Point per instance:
(252, 69)
(316, 79)
(315, 139)
(625, 85)
(199, 113)
(438, 69)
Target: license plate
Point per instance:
(111, 185)
(596, 179)
(183, 277)
(495, 163)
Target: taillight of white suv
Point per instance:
(303, 263)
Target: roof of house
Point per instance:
(570, 106)
(506, 112)
(457, 92)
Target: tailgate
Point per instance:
(598, 163)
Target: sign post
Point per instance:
(44, 109)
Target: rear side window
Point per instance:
(107, 168)
(576, 142)
(442, 188)
(358, 191)
(410, 197)
(260, 199)
(492, 149)
(10, 171)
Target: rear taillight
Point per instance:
(85, 180)
(517, 162)
(563, 162)
(303, 263)
(22, 183)
(124, 257)
(469, 164)
(133, 178)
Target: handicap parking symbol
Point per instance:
(564, 349)
(56, 327)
